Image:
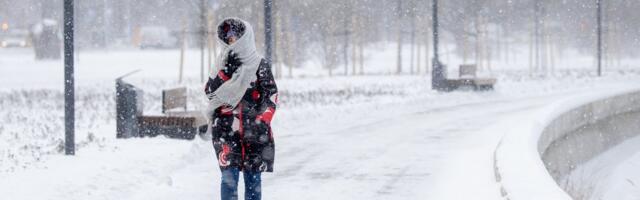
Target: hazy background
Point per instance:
(335, 32)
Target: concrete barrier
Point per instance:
(532, 158)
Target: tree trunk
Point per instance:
(531, 41)
(552, 55)
(354, 57)
(413, 42)
(210, 41)
(203, 37)
(399, 58)
(427, 49)
(465, 40)
(290, 54)
(498, 43)
(361, 55)
(418, 54)
(182, 47)
(412, 53)
(486, 44)
(399, 27)
(544, 58)
(507, 43)
(478, 58)
(278, 52)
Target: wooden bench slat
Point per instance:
(167, 121)
(468, 71)
(174, 98)
(484, 81)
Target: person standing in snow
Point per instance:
(242, 97)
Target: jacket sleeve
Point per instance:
(268, 93)
(216, 80)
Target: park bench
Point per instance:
(468, 79)
(174, 122)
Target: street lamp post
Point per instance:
(69, 93)
(438, 80)
(268, 31)
(599, 12)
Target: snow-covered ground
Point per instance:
(362, 137)
(612, 175)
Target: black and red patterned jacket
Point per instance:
(242, 137)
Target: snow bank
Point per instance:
(542, 148)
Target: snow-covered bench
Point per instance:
(468, 78)
(131, 122)
(176, 121)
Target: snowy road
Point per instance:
(401, 157)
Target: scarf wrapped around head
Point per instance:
(231, 91)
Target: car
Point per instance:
(13, 42)
(158, 37)
(14, 39)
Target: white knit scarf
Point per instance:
(231, 91)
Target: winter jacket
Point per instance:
(242, 136)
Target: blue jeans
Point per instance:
(229, 184)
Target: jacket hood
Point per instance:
(231, 91)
